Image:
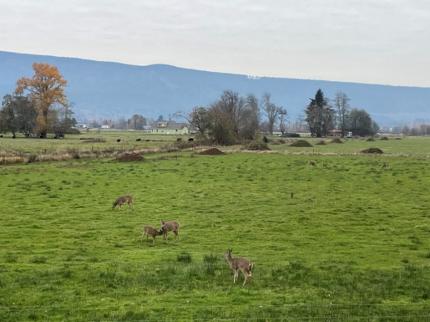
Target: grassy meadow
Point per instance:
(342, 238)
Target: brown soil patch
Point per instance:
(212, 151)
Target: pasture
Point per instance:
(351, 243)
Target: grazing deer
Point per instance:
(167, 226)
(239, 264)
(123, 200)
(151, 231)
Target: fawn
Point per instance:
(239, 264)
(167, 226)
(123, 200)
(151, 231)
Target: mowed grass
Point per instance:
(351, 243)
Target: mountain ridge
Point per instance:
(103, 89)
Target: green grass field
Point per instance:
(351, 245)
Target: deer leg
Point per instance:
(245, 279)
(176, 234)
(236, 273)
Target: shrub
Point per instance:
(373, 151)
(384, 138)
(370, 140)
(336, 140)
(301, 143)
(291, 135)
(265, 139)
(184, 257)
(322, 142)
(282, 141)
(257, 146)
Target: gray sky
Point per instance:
(372, 41)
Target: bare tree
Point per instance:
(341, 103)
(200, 119)
(282, 114)
(271, 111)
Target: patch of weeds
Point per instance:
(184, 257)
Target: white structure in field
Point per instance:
(171, 127)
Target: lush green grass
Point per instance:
(394, 146)
(352, 244)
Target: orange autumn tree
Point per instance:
(45, 89)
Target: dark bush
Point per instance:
(265, 139)
(370, 140)
(384, 138)
(138, 139)
(322, 142)
(118, 140)
(301, 144)
(373, 151)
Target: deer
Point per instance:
(151, 231)
(239, 264)
(127, 199)
(167, 226)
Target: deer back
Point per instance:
(170, 225)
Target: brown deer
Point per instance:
(151, 231)
(239, 264)
(167, 226)
(123, 200)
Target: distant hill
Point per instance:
(106, 89)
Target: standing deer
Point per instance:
(239, 264)
(151, 231)
(167, 226)
(123, 200)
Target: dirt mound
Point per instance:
(373, 151)
(301, 144)
(336, 140)
(129, 157)
(322, 142)
(212, 151)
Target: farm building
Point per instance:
(171, 127)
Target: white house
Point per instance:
(171, 127)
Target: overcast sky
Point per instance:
(372, 41)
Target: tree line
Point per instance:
(38, 105)
(234, 118)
